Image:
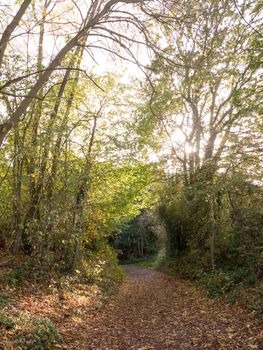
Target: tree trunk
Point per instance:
(17, 175)
(35, 191)
(81, 197)
(10, 28)
(212, 233)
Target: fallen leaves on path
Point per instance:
(156, 312)
(152, 311)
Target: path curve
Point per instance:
(153, 311)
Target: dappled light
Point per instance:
(131, 182)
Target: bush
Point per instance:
(217, 283)
(18, 274)
(6, 321)
(37, 333)
(4, 299)
(27, 331)
(100, 266)
(215, 235)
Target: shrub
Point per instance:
(37, 333)
(6, 320)
(4, 299)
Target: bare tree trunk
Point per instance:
(210, 145)
(139, 247)
(197, 129)
(81, 196)
(212, 233)
(57, 147)
(17, 175)
(35, 192)
(10, 28)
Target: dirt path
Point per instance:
(155, 311)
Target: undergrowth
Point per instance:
(232, 283)
(27, 331)
(148, 262)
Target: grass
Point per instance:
(148, 262)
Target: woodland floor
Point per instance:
(152, 311)
(155, 311)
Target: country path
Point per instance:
(153, 311)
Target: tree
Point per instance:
(94, 23)
(204, 99)
(199, 84)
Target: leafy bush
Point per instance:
(37, 333)
(4, 299)
(100, 266)
(215, 235)
(18, 274)
(29, 332)
(6, 320)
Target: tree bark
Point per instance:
(10, 28)
(81, 195)
(212, 233)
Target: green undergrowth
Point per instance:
(102, 271)
(98, 266)
(149, 262)
(27, 331)
(235, 284)
(152, 262)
